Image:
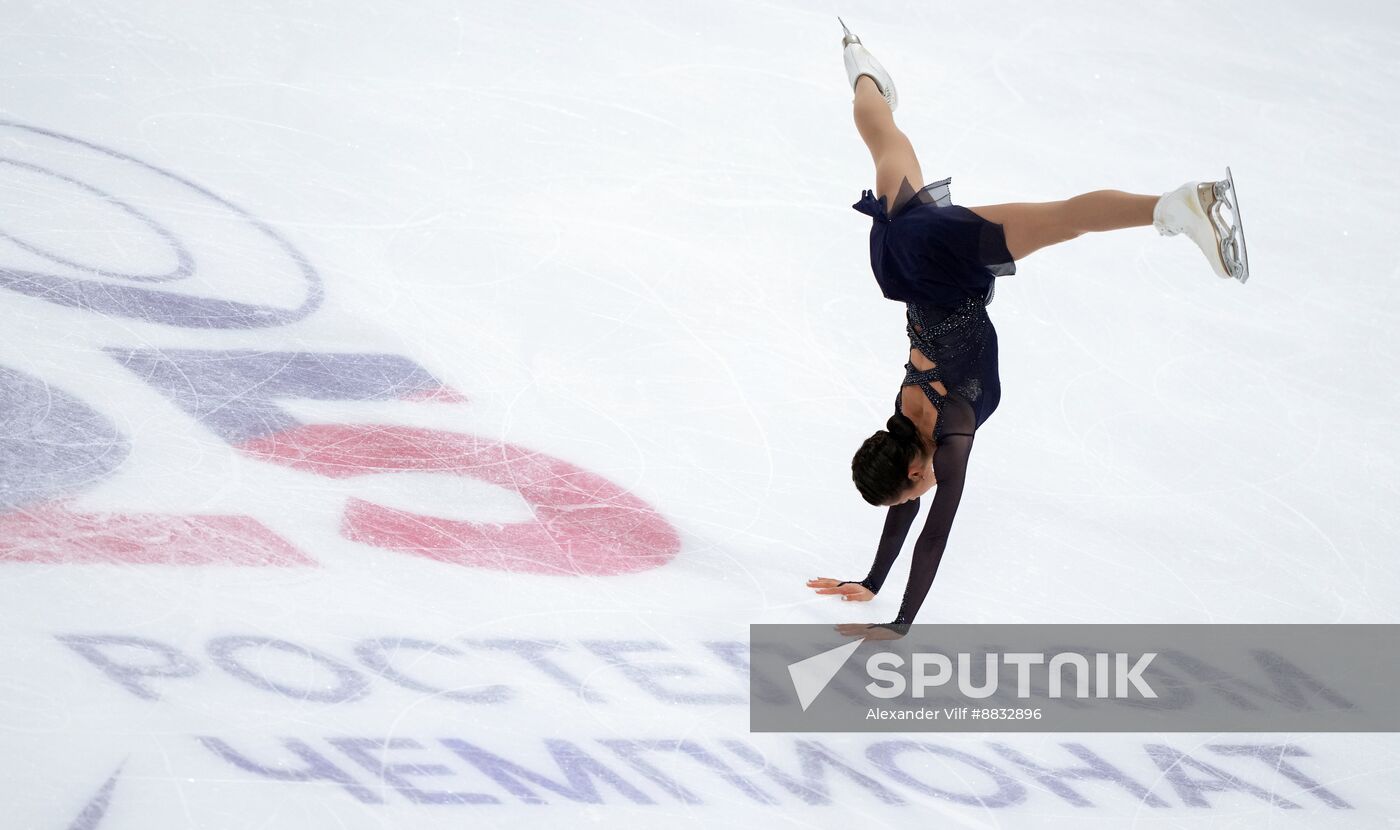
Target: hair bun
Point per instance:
(901, 428)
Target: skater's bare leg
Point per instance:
(1030, 226)
(889, 147)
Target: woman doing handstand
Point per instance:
(940, 260)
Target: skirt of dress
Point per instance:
(929, 250)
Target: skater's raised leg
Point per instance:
(1030, 226)
(890, 148)
(1205, 211)
(897, 173)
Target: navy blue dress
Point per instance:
(929, 250)
(940, 260)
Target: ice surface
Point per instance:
(398, 400)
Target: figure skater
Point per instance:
(940, 260)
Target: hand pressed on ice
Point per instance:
(867, 631)
(852, 591)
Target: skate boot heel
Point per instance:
(859, 62)
(1198, 209)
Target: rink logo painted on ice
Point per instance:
(96, 807)
(470, 680)
(582, 522)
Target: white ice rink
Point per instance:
(405, 408)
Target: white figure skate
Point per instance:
(1208, 213)
(859, 62)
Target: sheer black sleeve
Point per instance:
(950, 469)
(898, 520)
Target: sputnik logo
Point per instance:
(812, 675)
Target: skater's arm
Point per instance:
(950, 468)
(898, 520)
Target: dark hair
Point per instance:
(880, 467)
